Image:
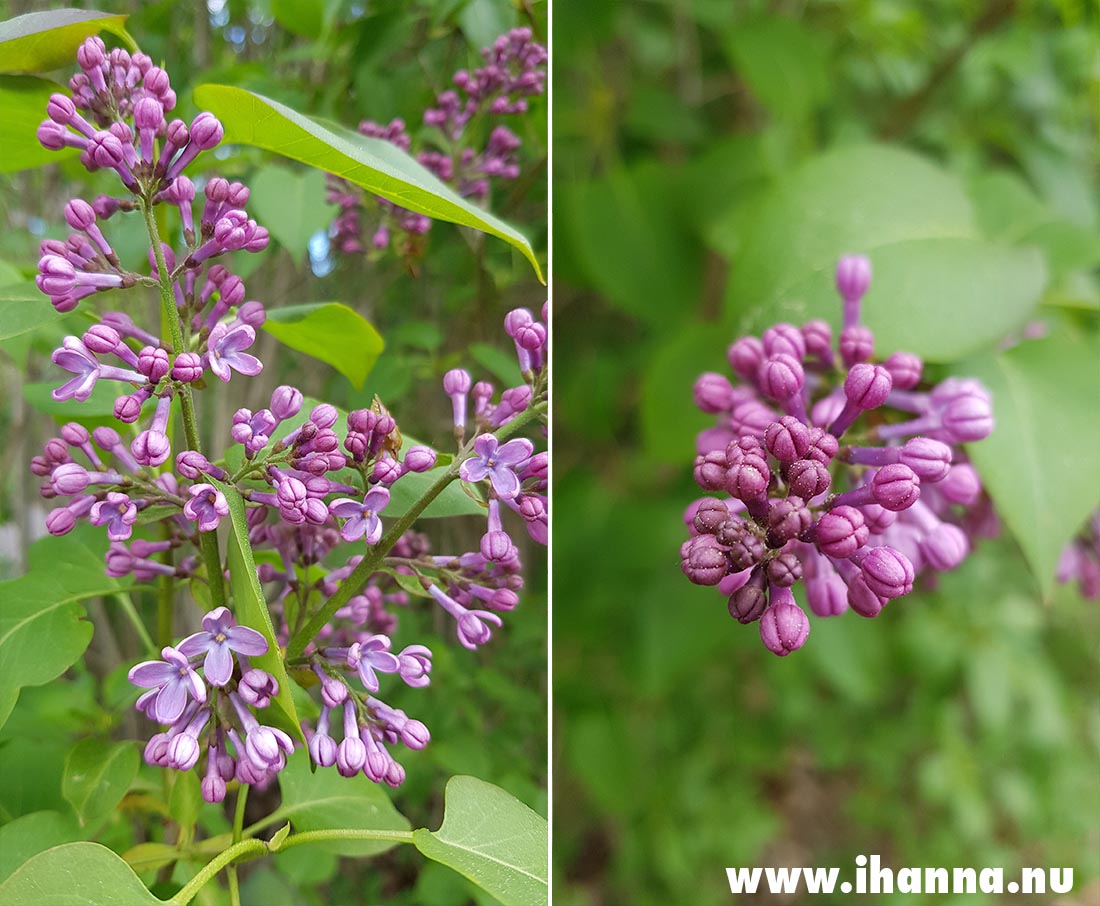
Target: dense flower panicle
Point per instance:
(841, 473)
(514, 71)
(309, 479)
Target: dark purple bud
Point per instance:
(895, 487)
(713, 393)
(887, 572)
(807, 478)
(748, 603)
(786, 520)
(787, 439)
(187, 367)
(784, 570)
(784, 626)
(710, 471)
(857, 344)
(745, 357)
(905, 368)
(745, 548)
(703, 561)
(56, 450)
(748, 478)
(841, 532)
(710, 515)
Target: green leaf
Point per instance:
(853, 199)
(454, 501)
(939, 298)
(23, 106)
(291, 204)
(279, 838)
(100, 403)
(504, 366)
(22, 309)
(372, 163)
(1039, 465)
(331, 332)
(326, 800)
(97, 776)
(42, 632)
(251, 606)
(24, 837)
(39, 42)
(76, 874)
(493, 839)
(151, 856)
(185, 800)
(782, 63)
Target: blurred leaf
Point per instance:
(39, 42)
(251, 607)
(291, 204)
(100, 403)
(22, 107)
(327, 800)
(22, 310)
(1039, 465)
(10, 275)
(373, 163)
(97, 776)
(500, 364)
(42, 630)
(31, 834)
(483, 21)
(151, 856)
(782, 62)
(331, 332)
(185, 800)
(493, 839)
(454, 501)
(302, 17)
(76, 874)
(851, 200)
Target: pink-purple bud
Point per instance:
(784, 626)
(187, 367)
(887, 571)
(713, 393)
(841, 532)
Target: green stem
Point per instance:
(370, 563)
(127, 604)
(208, 541)
(320, 836)
(211, 868)
(238, 824)
(166, 593)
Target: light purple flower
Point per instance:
(206, 506)
(219, 637)
(416, 665)
(117, 512)
(226, 350)
(370, 656)
(174, 678)
(362, 518)
(74, 357)
(498, 463)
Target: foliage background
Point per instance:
(345, 61)
(711, 163)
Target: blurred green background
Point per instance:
(712, 159)
(345, 61)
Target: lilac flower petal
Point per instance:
(354, 529)
(473, 470)
(372, 527)
(376, 499)
(152, 673)
(170, 703)
(485, 445)
(218, 664)
(194, 644)
(246, 641)
(345, 507)
(218, 620)
(514, 452)
(506, 483)
(246, 364)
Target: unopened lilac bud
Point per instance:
(905, 368)
(784, 626)
(786, 520)
(102, 339)
(497, 547)
(968, 419)
(710, 515)
(961, 484)
(322, 749)
(253, 314)
(787, 439)
(818, 337)
(419, 459)
(822, 446)
(106, 438)
(867, 386)
(128, 408)
(79, 214)
(324, 415)
(257, 687)
(748, 478)
(862, 600)
(69, 478)
(52, 136)
(206, 131)
(153, 363)
(827, 595)
(877, 518)
(929, 459)
(286, 402)
(945, 548)
(857, 344)
(713, 393)
(60, 109)
(415, 735)
(75, 435)
(748, 603)
(515, 319)
(151, 448)
(191, 464)
(213, 787)
(895, 487)
(457, 380)
(187, 367)
(91, 54)
(781, 377)
(745, 357)
(784, 570)
(60, 522)
(710, 471)
(744, 547)
(841, 532)
(784, 339)
(807, 478)
(853, 278)
(703, 561)
(887, 571)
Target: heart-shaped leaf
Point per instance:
(97, 776)
(31, 834)
(76, 874)
(331, 332)
(39, 42)
(372, 163)
(291, 204)
(493, 839)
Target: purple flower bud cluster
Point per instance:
(834, 468)
(213, 713)
(1080, 560)
(515, 70)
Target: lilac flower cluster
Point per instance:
(825, 482)
(514, 70)
(310, 477)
